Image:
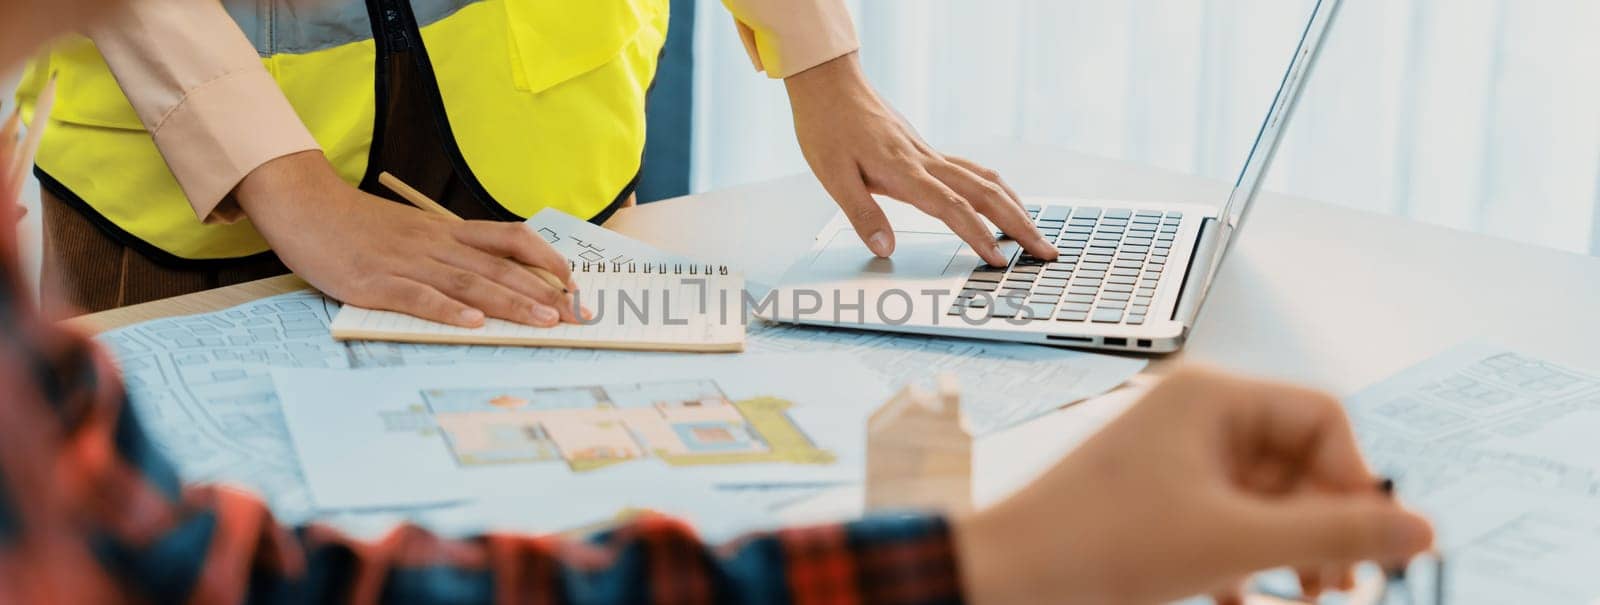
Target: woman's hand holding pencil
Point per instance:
(373, 253)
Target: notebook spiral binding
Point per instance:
(649, 268)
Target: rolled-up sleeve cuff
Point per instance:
(222, 131)
(796, 37)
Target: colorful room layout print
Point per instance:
(683, 423)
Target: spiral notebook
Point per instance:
(638, 307)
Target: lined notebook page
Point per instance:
(634, 311)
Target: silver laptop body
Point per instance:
(1131, 276)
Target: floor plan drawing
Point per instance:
(202, 383)
(203, 387)
(1496, 394)
(1011, 383)
(1492, 446)
(384, 438)
(683, 423)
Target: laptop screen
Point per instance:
(1283, 105)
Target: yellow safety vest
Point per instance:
(545, 100)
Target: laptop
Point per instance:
(1130, 277)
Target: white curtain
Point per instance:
(1477, 114)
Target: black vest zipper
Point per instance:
(394, 26)
(379, 14)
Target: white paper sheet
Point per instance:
(202, 387)
(716, 514)
(1003, 384)
(380, 439)
(678, 312)
(1501, 450)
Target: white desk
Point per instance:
(1314, 293)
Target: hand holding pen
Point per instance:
(1208, 480)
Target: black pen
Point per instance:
(1398, 573)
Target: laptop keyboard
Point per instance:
(1111, 262)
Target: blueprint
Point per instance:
(382, 438)
(202, 383)
(1500, 450)
(1002, 384)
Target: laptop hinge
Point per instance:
(1197, 279)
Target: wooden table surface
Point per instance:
(202, 302)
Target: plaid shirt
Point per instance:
(90, 511)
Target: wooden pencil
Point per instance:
(418, 199)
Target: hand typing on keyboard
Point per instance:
(858, 147)
(1109, 263)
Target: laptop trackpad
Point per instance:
(917, 256)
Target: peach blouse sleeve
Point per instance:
(201, 90)
(786, 37)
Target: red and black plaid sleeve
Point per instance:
(91, 512)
